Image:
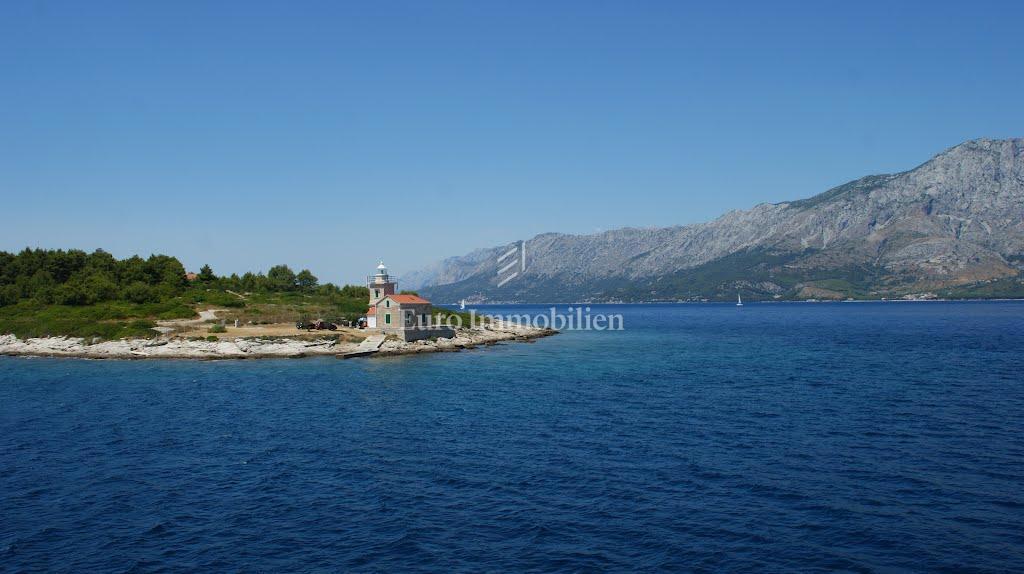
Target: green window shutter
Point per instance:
(387, 318)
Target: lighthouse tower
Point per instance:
(380, 285)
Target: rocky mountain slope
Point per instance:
(953, 226)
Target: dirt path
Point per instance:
(201, 328)
(272, 330)
(169, 326)
(208, 315)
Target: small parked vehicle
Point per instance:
(316, 325)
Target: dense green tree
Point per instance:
(139, 292)
(328, 289)
(63, 264)
(249, 282)
(167, 271)
(355, 292)
(74, 277)
(71, 293)
(206, 274)
(8, 268)
(9, 295)
(281, 278)
(101, 261)
(305, 280)
(39, 285)
(132, 270)
(100, 287)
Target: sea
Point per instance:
(773, 437)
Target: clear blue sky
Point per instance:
(244, 134)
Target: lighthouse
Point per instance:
(381, 284)
(406, 316)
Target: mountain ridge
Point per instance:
(951, 224)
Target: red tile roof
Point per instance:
(408, 299)
(371, 311)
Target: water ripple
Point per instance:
(816, 438)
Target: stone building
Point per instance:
(405, 316)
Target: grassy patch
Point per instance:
(108, 320)
(290, 307)
(214, 298)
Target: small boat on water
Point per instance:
(462, 304)
(739, 300)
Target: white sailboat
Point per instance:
(739, 300)
(462, 304)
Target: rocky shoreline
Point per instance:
(465, 339)
(254, 348)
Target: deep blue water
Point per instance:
(776, 437)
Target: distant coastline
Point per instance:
(949, 227)
(776, 301)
